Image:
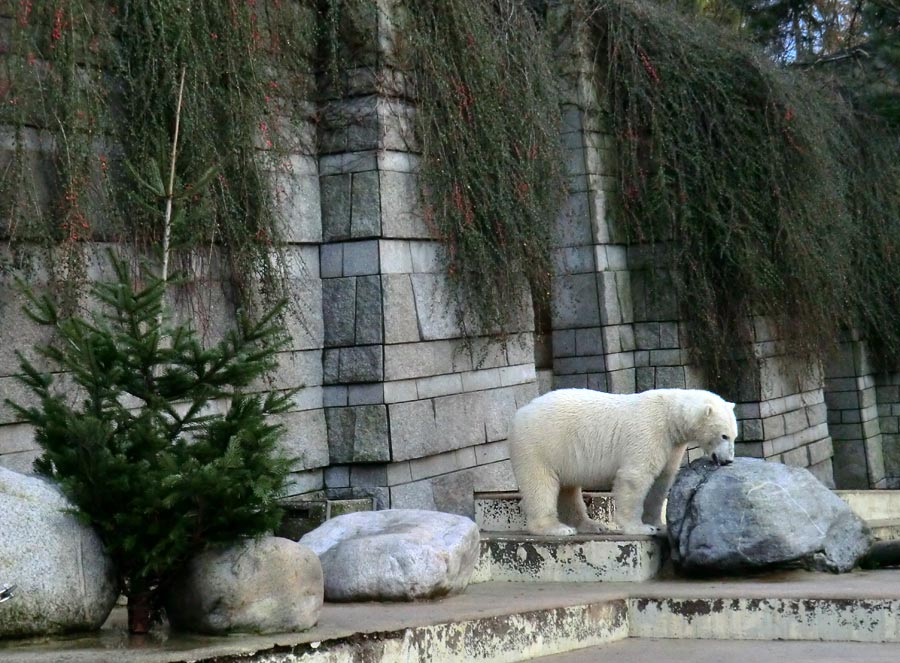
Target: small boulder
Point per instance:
(267, 585)
(395, 555)
(64, 579)
(754, 514)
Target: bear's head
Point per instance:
(716, 429)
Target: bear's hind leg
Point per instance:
(572, 511)
(539, 502)
(630, 490)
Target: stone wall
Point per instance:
(396, 404)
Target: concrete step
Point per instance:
(501, 622)
(733, 651)
(500, 512)
(521, 557)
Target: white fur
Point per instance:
(571, 439)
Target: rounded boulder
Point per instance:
(395, 555)
(267, 585)
(754, 514)
(64, 580)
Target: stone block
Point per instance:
(439, 385)
(500, 406)
(564, 343)
(401, 210)
(820, 451)
(365, 394)
(358, 434)
(304, 439)
(623, 381)
(297, 205)
(369, 315)
(395, 256)
(850, 466)
(773, 427)
(361, 258)
(339, 311)
(365, 205)
(494, 477)
(479, 380)
(400, 390)
(510, 375)
(795, 421)
(573, 260)
(591, 341)
(796, 457)
(423, 468)
(575, 302)
(491, 452)
(645, 378)
(438, 317)
(331, 260)
(335, 396)
(647, 336)
(337, 476)
(428, 257)
(361, 363)
(416, 495)
(399, 309)
(413, 430)
(414, 360)
(668, 335)
(670, 377)
(21, 461)
(573, 226)
(16, 438)
(367, 476)
(399, 473)
(454, 493)
(336, 205)
(751, 429)
(304, 482)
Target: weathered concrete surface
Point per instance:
(519, 557)
(733, 651)
(521, 620)
(500, 512)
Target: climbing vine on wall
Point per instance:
(88, 111)
(769, 193)
(488, 123)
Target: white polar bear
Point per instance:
(571, 439)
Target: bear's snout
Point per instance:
(721, 461)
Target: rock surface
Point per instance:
(396, 555)
(754, 514)
(64, 579)
(269, 585)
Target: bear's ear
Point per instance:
(709, 410)
(731, 405)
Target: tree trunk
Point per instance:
(140, 612)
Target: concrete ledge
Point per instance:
(519, 557)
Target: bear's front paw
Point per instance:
(640, 528)
(557, 529)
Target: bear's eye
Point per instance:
(724, 437)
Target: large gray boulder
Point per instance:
(269, 585)
(754, 514)
(395, 555)
(65, 581)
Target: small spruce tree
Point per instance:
(144, 456)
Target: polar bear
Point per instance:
(633, 443)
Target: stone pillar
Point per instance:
(417, 415)
(887, 393)
(592, 313)
(853, 421)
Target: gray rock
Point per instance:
(65, 582)
(270, 585)
(399, 555)
(754, 514)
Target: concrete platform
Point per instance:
(639, 650)
(500, 512)
(506, 622)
